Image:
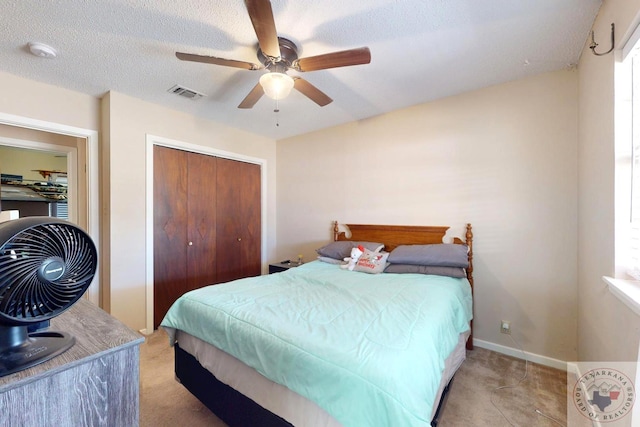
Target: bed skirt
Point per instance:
(236, 409)
(229, 405)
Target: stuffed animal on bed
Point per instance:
(353, 259)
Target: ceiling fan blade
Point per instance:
(343, 58)
(261, 16)
(254, 96)
(217, 61)
(311, 92)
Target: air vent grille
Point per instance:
(186, 92)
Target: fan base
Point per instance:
(38, 347)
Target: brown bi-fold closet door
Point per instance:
(238, 220)
(207, 223)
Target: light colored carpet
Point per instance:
(164, 402)
(483, 371)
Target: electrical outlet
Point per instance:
(505, 327)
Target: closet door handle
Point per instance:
(190, 243)
(239, 239)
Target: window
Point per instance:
(627, 175)
(628, 160)
(634, 244)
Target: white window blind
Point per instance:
(59, 210)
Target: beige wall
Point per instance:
(607, 329)
(37, 135)
(129, 121)
(503, 158)
(20, 161)
(40, 101)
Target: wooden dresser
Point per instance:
(94, 383)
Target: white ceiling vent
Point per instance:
(186, 92)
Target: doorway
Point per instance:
(80, 146)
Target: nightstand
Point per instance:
(281, 266)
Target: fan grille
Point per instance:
(31, 293)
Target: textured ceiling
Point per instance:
(421, 50)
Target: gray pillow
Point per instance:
(445, 255)
(342, 249)
(330, 260)
(457, 272)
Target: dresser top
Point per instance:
(96, 334)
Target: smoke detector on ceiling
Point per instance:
(186, 92)
(42, 50)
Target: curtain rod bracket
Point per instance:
(593, 44)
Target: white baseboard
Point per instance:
(144, 331)
(531, 357)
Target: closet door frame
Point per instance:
(151, 141)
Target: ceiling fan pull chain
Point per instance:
(277, 110)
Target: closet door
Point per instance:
(238, 220)
(201, 230)
(206, 223)
(169, 228)
(251, 206)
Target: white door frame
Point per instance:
(152, 140)
(93, 207)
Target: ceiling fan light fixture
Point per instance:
(276, 85)
(276, 55)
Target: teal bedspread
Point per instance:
(368, 348)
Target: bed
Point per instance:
(319, 345)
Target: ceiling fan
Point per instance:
(277, 55)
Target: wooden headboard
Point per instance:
(395, 235)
